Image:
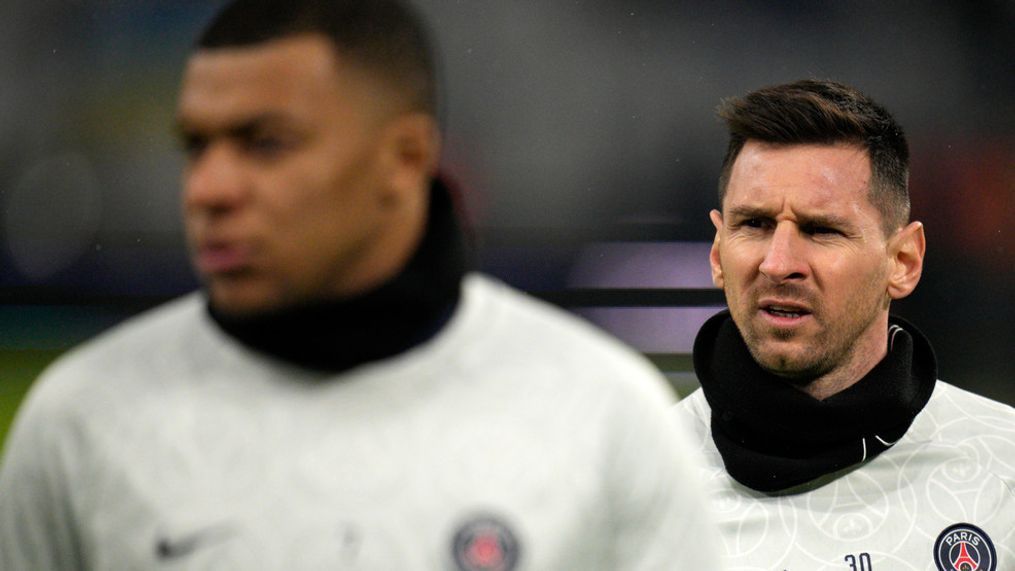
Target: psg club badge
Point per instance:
(964, 547)
(485, 544)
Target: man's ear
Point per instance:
(906, 250)
(411, 153)
(713, 255)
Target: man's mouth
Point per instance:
(783, 311)
(222, 258)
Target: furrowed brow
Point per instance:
(825, 220)
(745, 212)
(259, 123)
(187, 128)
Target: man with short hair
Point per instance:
(343, 394)
(830, 442)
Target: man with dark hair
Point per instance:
(830, 443)
(343, 394)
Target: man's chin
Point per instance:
(794, 368)
(240, 302)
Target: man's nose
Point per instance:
(784, 258)
(215, 180)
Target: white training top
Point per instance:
(518, 438)
(953, 473)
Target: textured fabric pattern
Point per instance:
(518, 434)
(956, 464)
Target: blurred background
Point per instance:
(581, 134)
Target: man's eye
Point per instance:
(754, 223)
(821, 230)
(193, 146)
(267, 145)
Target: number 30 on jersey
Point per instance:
(859, 562)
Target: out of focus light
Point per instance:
(637, 265)
(651, 329)
(643, 265)
(51, 216)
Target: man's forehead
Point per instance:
(814, 160)
(303, 53)
(811, 173)
(273, 76)
(764, 197)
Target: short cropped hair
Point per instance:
(824, 112)
(386, 37)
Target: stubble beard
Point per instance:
(831, 348)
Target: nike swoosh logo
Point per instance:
(167, 548)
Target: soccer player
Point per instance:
(342, 394)
(830, 442)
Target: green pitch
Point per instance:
(31, 336)
(18, 368)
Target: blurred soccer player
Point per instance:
(343, 394)
(831, 443)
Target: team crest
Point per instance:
(964, 547)
(485, 544)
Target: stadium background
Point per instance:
(581, 134)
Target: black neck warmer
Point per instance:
(773, 437)
(405, 311)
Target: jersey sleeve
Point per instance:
(660, 516)
(36, 478)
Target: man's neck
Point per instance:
(387, 255)
(772, 438)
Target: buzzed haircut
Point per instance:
(824, 112)
(385, 37)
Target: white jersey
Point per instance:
(518, 438)
(940, 498)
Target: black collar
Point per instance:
(407, 310)
(772, 436)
